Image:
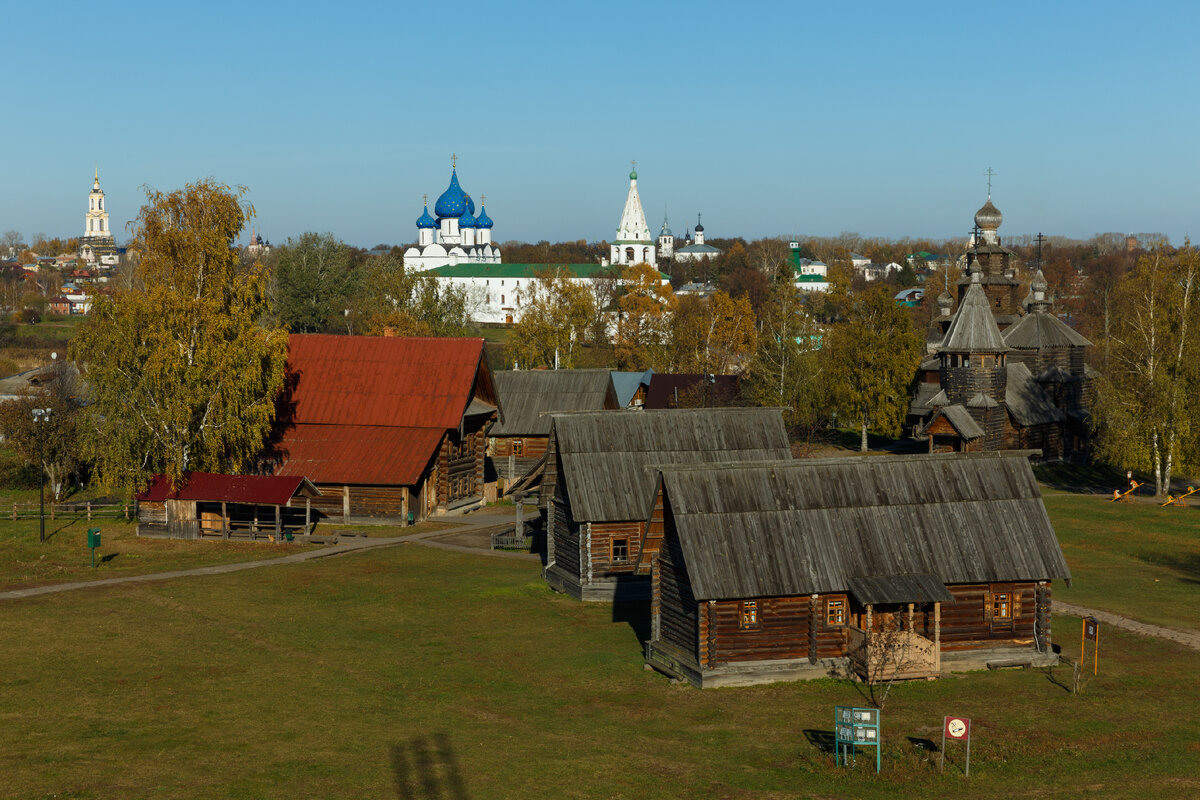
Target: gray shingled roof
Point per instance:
(1027, 401)
(603, 456)
(527, 397)
(814, 525)
(974, 329)
(960, 418)
(1039, 329)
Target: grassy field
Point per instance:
(420, 673)
(1138, 559)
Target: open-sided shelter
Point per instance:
(888, 567)
(386, 427)
(528, 398)
(595, 488)
(207, 505)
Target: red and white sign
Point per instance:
(957, 728)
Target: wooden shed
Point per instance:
(204, 505)
(890, 566)
(595, 488)
(387, 427)
(528, 398)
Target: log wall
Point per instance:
(678, 612)
(965, 623)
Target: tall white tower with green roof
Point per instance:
(633, 243)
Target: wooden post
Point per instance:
(812, 629)
(307, 513)
(345, 504)
(910, 616)
(89, 510)
(278, 524)
(224, 521)
(937, 637)
(520, 530)
(14, 512)
(254, 525)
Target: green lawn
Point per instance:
(1137, 559)
(65, 557)
(417, 673)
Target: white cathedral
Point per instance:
(457, 236)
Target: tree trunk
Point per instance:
(863, 447)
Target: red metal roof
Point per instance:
(380, 380)
(359, 454)
(273, 490)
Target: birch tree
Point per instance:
(183, 376)
(787, 369)
(556, 313)
(1147, 401)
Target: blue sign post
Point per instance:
(854, 728)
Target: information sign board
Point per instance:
(854, 728)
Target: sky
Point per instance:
(770, 118)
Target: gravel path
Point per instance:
(1187, 638)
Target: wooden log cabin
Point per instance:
(528, 397)
(595, 487)
(388, 428)
(890, 566)
(204, 505)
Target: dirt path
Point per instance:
(1187, 638)
(428, 538)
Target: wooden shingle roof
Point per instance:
(528, 396)
(603, 456)
(813, 525)
(974, 329)
(1039, 329)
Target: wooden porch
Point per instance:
(888, 649)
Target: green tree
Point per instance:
(390, 298)
(871, 354)
(787, 370)
(556, 313)
(713, 335)
(54, 441)
(313, 282)
(183, 376)
(1149, 395)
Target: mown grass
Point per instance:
(64, 557)
(419, 673)
(1137, 559)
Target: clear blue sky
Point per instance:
(770, 118)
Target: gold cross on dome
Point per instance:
(634, 165)
(453, 161)
(482, 199)
(425, 198)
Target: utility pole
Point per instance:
(41, 415)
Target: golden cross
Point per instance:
(482, 199)
(453, 161)
(634, 165)
(425, 197)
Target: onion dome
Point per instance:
(989, 217)
(454, 201)
(945, 303)
(699, 228)
(483, 220)
(426, 221)
(467, 220)
(633, 175)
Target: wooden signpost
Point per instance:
(956, 729)
(1091, 633)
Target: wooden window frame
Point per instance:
(1006, 598)
(612, 550)
(749, 615)
(830, 609)
(518, 447)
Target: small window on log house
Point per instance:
(518, 447)
(1000, 607)
(835, 611)
(620, 550)
(749, 618)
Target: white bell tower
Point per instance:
(95, 222)
(633, 243)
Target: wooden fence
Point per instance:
(55, 511)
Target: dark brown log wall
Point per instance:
(965, 624)
(601, 540)
(782, 632)
(679, 613)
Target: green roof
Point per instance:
(520, 270)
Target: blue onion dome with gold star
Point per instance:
(426, 221)
(467, 220)
(454, 201)
(483, 220)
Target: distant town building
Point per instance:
(697, 251)
(633, 243)
(258, 245)
(97, 243)
(494, 290)
(810, 275)
(457, 236)
(666, 241)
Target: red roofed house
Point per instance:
(205, 505)
(386, 427)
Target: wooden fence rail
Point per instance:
(78, 510)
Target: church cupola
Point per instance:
(426, 225)
(483, 224)
(988, 219)
(467, 225)
(972, 364)
(699, 231)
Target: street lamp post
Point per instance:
(41, 415)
